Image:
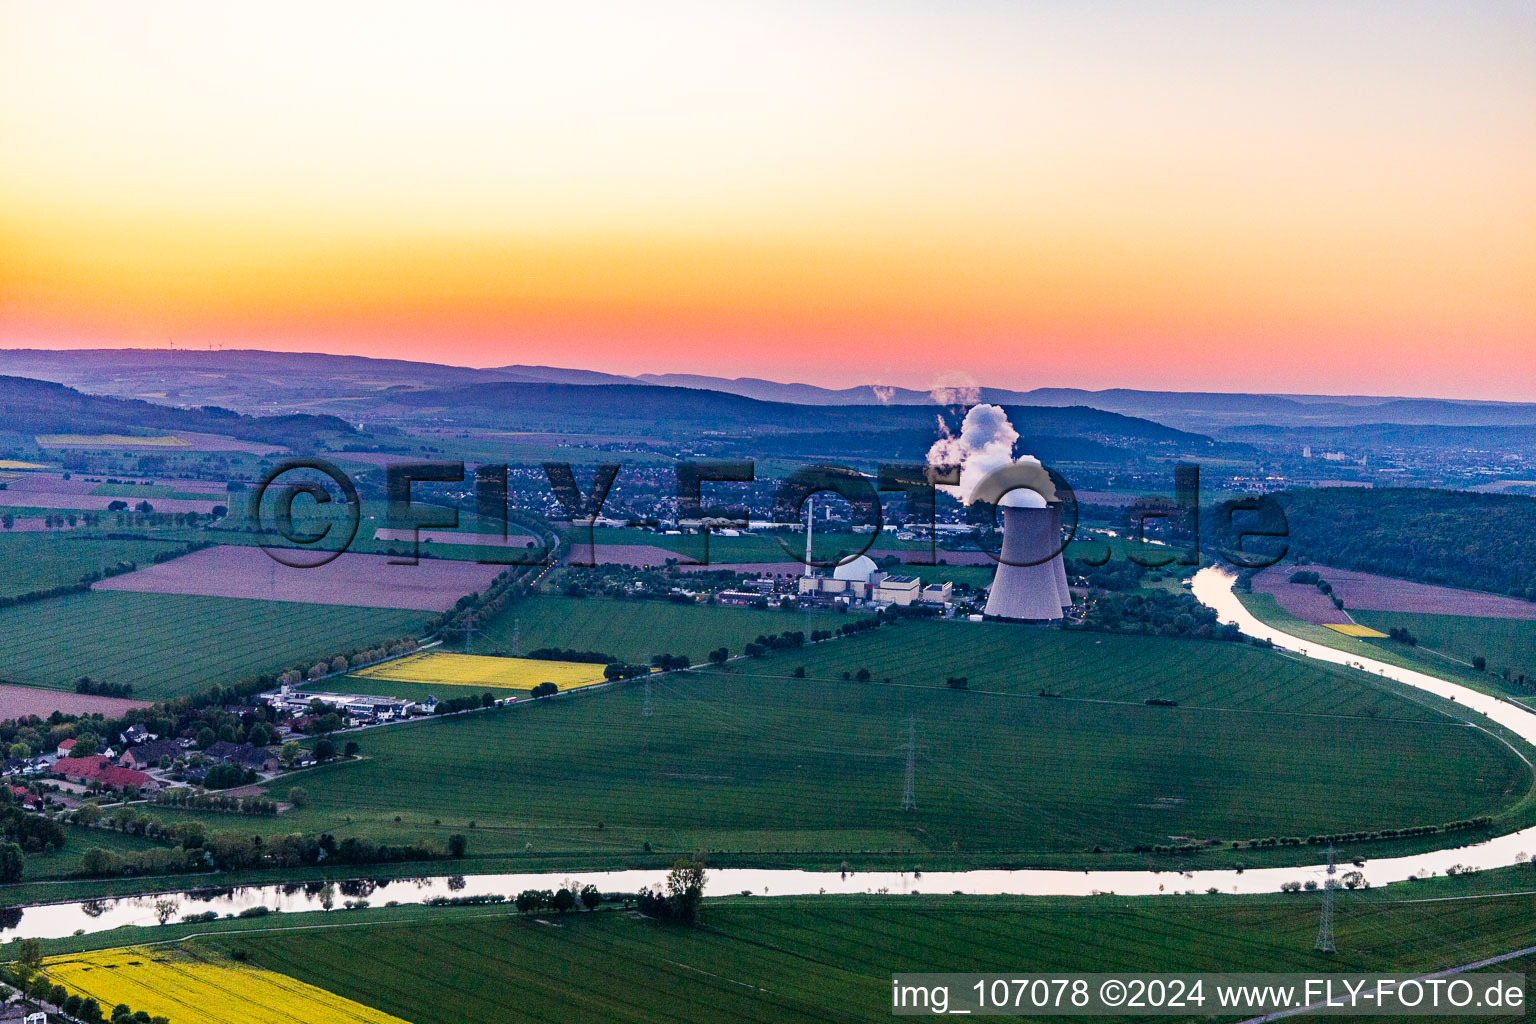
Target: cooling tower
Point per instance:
(1059, 564)
(1027, 591)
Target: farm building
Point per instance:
(96, 768)
(359, 707)
(149, 755)
(245, 755)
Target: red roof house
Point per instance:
(97, 768)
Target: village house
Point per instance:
(150, 755)
(135, 734)
(27, 766)
(244, 755)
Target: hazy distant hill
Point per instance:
(1396, 435)
(1209, 411)
(655, 410)
(30, 407)
(1197, 411)
(255, 381)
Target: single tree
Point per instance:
(685, 889)
(12, 863)
(29, 960)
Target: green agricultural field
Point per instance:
(167, 645)
(215, 492)
(1108, 667)
(1508, 644)
(43, 560)
(831, 959)
(1266, 609)
(635, 630)
(755, 764)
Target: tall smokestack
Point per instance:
(810, 525)
(1021, 591)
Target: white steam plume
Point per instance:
(985, 444)
(955, 389)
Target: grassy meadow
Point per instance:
(1421, 659)
(166, 645)
(831, 959)
(46, 559)
(1506, 643)
(634, 630)
(755, 764)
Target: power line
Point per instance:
(909, 791)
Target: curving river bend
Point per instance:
(1212, 586)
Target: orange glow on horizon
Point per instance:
(1276, 212)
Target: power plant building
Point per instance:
(862, 580)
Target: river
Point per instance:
(1212, 586)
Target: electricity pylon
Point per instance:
(1325, 925)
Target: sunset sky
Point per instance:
(1333, 197)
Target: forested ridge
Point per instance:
(1454, 538)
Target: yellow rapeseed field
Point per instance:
(1350, 629)
(109, 440)
(189, 988)
(443, 669)
(13, 464)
